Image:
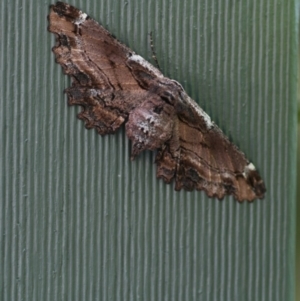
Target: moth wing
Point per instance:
(199, 156)
(88, 52)
(99, 65)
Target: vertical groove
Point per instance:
(3, 167)
(80, 221)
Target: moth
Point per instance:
(115, 86)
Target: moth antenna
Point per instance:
(153, 51)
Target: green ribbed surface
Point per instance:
(79, 221)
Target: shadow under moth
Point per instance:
(114, 85)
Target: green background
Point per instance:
(80, 221)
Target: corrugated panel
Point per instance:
(297, 277)
(79, 221)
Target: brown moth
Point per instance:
(114, 85)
